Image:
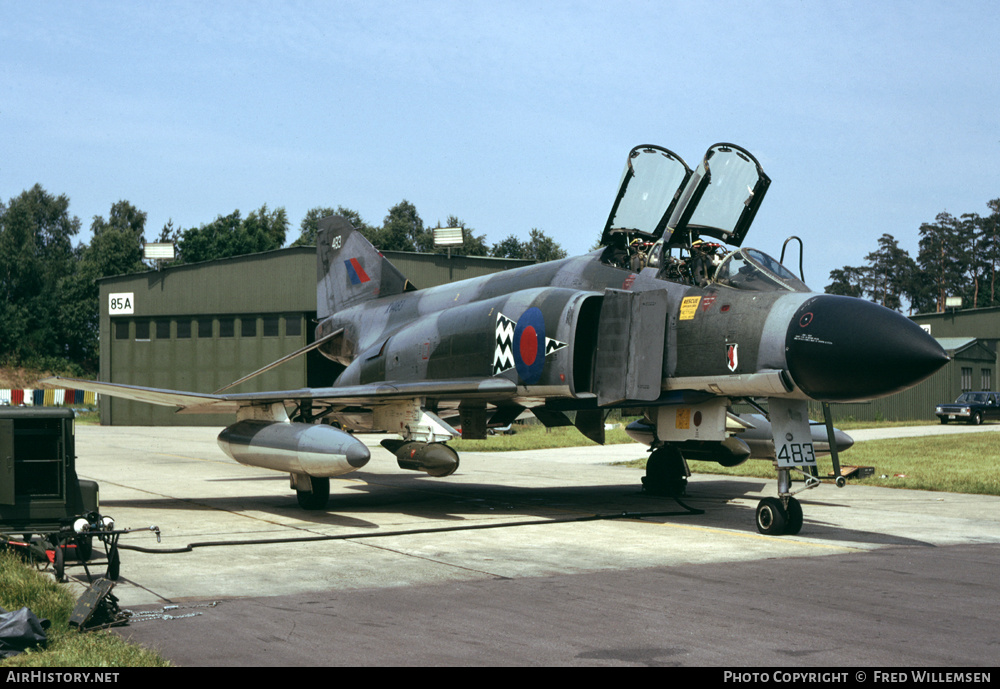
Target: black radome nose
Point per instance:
(841, 349)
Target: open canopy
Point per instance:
(660, 196)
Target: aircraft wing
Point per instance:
(225, 403)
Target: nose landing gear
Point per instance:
(777, 517)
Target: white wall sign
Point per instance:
(121, 304)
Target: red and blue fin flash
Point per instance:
(355, 272)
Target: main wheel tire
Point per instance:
(318, 497)
(976, 419)
(665, 474)
(772, 520)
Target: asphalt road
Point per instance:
(536, 558)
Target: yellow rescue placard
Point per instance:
(689, 306)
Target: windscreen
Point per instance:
(972, 398)
(750, 269)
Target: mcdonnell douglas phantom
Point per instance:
(671, 316)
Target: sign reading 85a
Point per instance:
(121, 304)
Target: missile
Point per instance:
(296, 448)
(435, 459)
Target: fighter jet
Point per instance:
(671, 316)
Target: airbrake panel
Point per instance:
(630, 340)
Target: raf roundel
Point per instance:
(523, 345)
(529, 345)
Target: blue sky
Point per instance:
(868, 117)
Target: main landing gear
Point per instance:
(312, 492)
(666, 472)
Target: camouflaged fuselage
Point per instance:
(455, 330)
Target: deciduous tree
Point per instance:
(36, 254)
(232, 235)
(310, 224)
(403, 230)
(539, 247)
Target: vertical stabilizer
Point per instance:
(349, 270)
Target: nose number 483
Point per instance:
(796, 453)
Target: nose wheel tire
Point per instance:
(773, 519)
(794, 512)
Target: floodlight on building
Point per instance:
(448, 236)
(158, 251)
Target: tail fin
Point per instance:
(349, 270)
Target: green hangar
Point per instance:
(201, 326)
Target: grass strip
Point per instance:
(23, 586)
(950, 463)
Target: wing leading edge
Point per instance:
(371, 393)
